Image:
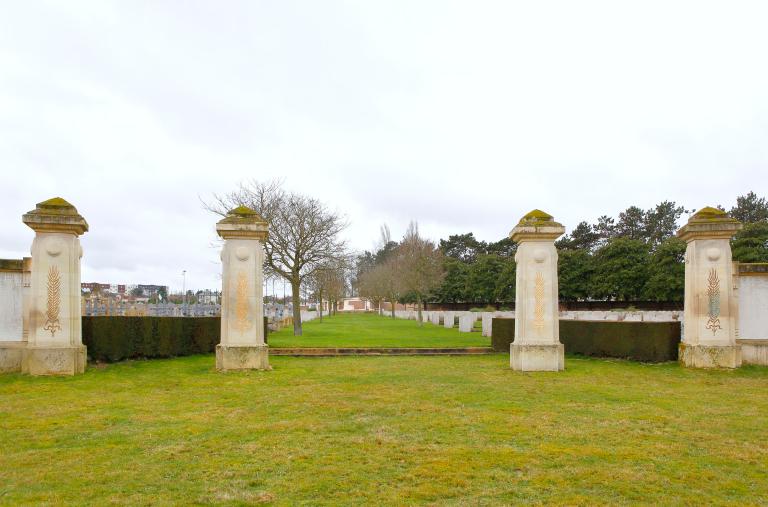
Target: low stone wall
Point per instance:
(751, 290)
(640, 341)
(11, 355)
(754, 351)
(14, 282)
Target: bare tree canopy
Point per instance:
(420, 265)
(329, 281)
(303, 232)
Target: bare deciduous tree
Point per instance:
(391, 282)
(419, 265)
(303, 232)
(372, 286)
(330, 281)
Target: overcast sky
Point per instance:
(461, 115)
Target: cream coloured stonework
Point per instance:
(537, 344)
(54, 341)
(709, 332)
(242, 344)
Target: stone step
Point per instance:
(378, 351)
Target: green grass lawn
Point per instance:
(371, 330)
(385, 430)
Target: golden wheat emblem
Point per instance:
(241, 303)
(538, 298)
(713, 297)
(53, 301)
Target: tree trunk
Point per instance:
(392, 305)
(418, 310)
(320, 306)
(296, 298)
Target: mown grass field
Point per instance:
(372, 330)
(385, 431)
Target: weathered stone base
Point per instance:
(754, 351)
(537, 357)
(242, 357)
(11, 354)
(54, 360)
(710, 356)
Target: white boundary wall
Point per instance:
(752, 320)
(11, 298)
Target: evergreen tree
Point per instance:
(751, 243)
(661, 222)
(462, 247)
(621, 269)
(482, 279)
(750, 209)
(454, 286)
(506, 283)
(666, 272)
(575, 272)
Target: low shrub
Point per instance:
(115, 338)
(640, 341)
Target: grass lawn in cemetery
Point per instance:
(385, 431)
(372, 330)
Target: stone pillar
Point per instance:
(709, 332)
(242, 344)
(55, 342)
(537, 344)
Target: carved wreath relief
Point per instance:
(53, 301)
(241, 303)
(538, 299)
(713, 297)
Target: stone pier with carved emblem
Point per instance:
(537, 344)
(54, 342)
(709, 323)
(242, 344)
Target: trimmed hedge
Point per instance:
(502, 334)
(640, 341)
(116, 338)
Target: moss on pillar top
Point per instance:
(55, 215)
(242, 222)
(537, 225)
(709, 223)
(710, 214)
(242, 215)
(538, 218)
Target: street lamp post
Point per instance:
(184, 293)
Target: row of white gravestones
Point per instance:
(709, 338)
